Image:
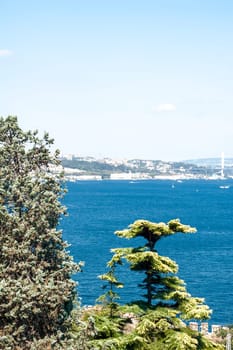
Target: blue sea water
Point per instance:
(98, 208)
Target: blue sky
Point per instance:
(121, 78)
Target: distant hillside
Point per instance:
(107, 166)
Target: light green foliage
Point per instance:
(179, 341)
(36, 291)
(159, 322)
(160, 284)
(155, 329)
(108, 299)
(152, 232)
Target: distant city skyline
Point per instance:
(126, 79)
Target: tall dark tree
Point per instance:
(36, 289)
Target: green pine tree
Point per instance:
(161, 286)
(108, 299)
(36, 289)
(158, 323)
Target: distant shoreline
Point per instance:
(88, 168)
(156, 178)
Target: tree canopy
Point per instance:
(159, 320)
(36, 289)
(160, 283)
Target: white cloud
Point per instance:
(166, 107)
(5, 52)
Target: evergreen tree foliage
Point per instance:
(36, 289)
(160, 283)
(110, 296)
(158, 323)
